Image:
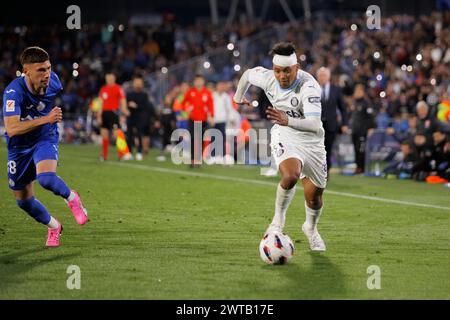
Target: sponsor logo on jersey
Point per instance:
(11, 183)
(294, 114)
(294, 101)
(10, 90)
(10, 105)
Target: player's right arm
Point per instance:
(256, 76)
(15, 127)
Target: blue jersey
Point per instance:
(18, 100)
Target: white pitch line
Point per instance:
(272, 184)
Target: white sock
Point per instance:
(71, 196)
(312, 217)
(53, 224)
(282, 202)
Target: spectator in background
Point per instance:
(445, 170)
(426, 123)
(332, 101)
(223, 109)
(198, 101)
(137, 101)
(424, 151)
(181, 115)
(412, 128)
(147, 120)
(166, 124)
(363, 124)
(402, 166)
(382, 119)
(113, 101)
(399, 127)
(440, 157)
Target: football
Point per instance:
(276, 248)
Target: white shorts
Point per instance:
(313, 158)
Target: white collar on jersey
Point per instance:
(284, 61)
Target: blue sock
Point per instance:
(50, 181)
(35, 209)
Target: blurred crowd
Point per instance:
(402, 70)
(82, 57)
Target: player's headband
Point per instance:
(285, 61)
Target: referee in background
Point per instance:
(113, 100)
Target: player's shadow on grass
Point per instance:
(321, 280)
(12, 269)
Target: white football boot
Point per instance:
(316, 242)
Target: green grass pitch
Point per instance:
(161, 231)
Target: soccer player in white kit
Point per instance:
(297, 137)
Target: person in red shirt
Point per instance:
(198, 102)
(113, 100)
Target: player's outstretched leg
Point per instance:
(35, 209)
(290, 171)
(313, 210)
(48, 179)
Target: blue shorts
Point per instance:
(22, 162)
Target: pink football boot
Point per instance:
(53, 236)
(78, 211)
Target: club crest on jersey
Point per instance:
(41, 106)
(10, 105)
(294, 101)
(278, 150)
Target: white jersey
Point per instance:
(300, 100)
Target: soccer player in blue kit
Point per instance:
(30, 119)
